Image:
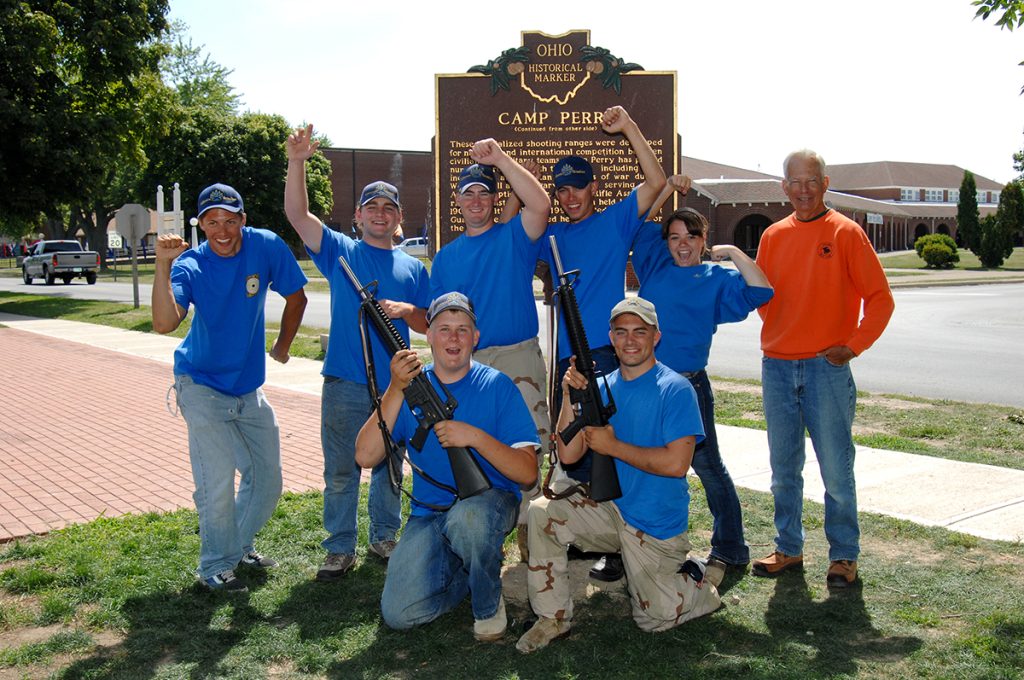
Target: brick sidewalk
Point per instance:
(86, 433)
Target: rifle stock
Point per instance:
(424, 401)
(604, 479)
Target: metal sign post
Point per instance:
(133, 223)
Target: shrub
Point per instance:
(937, 250)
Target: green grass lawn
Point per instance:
(968, 261)
(116, 599)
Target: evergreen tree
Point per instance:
(968, 227)
(997, 230)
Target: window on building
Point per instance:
(934, 195)
(995, 196)
(954, 195)
(910, 194)
(982, 197)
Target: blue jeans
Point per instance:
(226, 433)
(815, 394)
(344, 407)
(447, 555)
(727, 543)
(605, 362)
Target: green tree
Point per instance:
(245, 151)
(967, 213)
(997, 230)
(70, 83)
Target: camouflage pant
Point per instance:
(660, 597)
(524, 363)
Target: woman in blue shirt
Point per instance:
(692, 297)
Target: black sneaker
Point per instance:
(224, 581)
(258, 561)
(608, 569)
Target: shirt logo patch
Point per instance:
(825, 250)
(252, 285)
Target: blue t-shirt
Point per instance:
(599, 247)
(657, 408)
(226, 345)
(489, 400)
(691, 301)
(495, 270)
(399, 277)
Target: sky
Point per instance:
(858, 81)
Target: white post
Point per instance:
(179, 218)
(159, 209)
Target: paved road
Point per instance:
(956, 342)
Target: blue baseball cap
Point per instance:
(220, 196)
(478, 174)
(453, 300)
(573, 171)
(380, 190)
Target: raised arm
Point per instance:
(300, 147)
(513, 204)
(747, 268)
(616, 120)
(291, 317)
(536, 203)
(680, 183)
(167, 313)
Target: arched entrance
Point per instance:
(920, 230)
(942, 229)
(748, 233)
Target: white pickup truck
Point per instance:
(65, 260)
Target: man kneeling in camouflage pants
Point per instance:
(651, 437)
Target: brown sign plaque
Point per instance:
(544, 100)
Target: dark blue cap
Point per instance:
(220, 196)
(573, 171)
(478, 174)
(380, 190)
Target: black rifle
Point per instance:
(590, 410)
(422, 398)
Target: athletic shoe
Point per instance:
(383, 549)
(258, 561)
(224, 581)
(335, 566)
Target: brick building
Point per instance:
(894, 202)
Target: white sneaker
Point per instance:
(492, 629)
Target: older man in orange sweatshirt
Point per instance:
(823, 268)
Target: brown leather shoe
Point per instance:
(841, 573)
(776, 563)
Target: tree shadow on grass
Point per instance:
(194, 628)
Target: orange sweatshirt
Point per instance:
(821, 271)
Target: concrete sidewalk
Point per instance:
(95, 438)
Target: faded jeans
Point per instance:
(444, 556)
(344, 407)
(727, 543)
(822, 397)
(226, 433)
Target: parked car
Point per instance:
(417, 247)
(64, 260)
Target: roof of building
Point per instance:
(699, 169)
(881, 174)
(769, 192)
